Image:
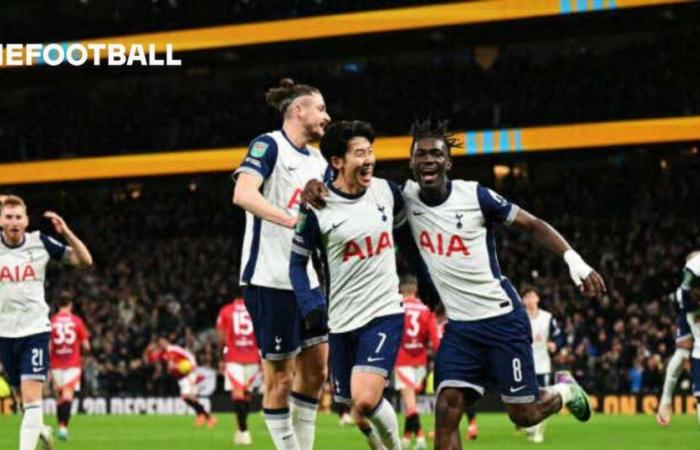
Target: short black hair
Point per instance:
(433, 129)
(335, 140)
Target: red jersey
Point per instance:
(172, 356)
(68, 333)
(235, 325)
(419, 328)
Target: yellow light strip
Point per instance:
(398, 19)
(534, 139)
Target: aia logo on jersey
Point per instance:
(367, 247)
(442, 245)
(295, 199)
(17, 273)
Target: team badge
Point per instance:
(258, 150)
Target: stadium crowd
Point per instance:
(513, 85)
(166, 259)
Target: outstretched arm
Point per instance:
(80, 255)
(583, 275)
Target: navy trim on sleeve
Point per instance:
(304, 242)
(55, 249)
(261, 157)
(494, 207)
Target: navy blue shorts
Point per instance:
(25, 358)
(544, 379)
(682, 326)
(371, 348)
(277, 323)
(695, 375)
(474, 353)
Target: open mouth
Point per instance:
(366, 174)
(429, 174)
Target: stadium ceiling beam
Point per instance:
(367, 22)
(484, 142)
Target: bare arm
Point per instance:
(591, 282)
(80, 256)
(246, 194)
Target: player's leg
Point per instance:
(460, 379)
(365, 427)
(472, 427)
(695, 376)
(536, 432)
(377, 346)
(511, 361)
(311, 373)
(342, 358)
(344, 414)
(188, 393)
(70, 383)
(235, 379)
(449, 407)
(33, 352)
(684, 344)
(274, 315)
(404, 384)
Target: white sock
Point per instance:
(673, 371)
(375, 443)
(384, 420)
(279, 424)
(304, 411)
(565, 391)
(697, 408)
(32, 426)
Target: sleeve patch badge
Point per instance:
(258, 149)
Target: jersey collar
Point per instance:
(432, 205)
(345, 194)
(8, 245)
(303, 151)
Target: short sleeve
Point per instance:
(693, 265)
(494, 207)
(84, 334)
(221, 320)
(57, 250)
(399, 204)
(261, 157)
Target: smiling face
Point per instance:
(356, 168)
(430, 162)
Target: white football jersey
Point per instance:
(354, 234)
(544, 329)
(693, 265)
(23, 308)
(457, 243)
(285, 170)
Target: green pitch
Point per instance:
(496, 432)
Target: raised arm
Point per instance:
(79, 255)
